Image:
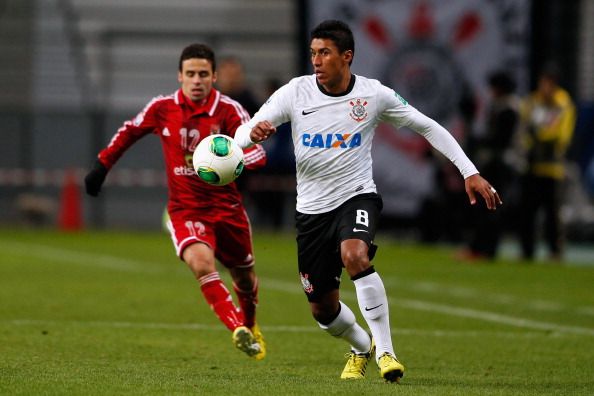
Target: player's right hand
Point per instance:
(262, 131)
(476, 183)
(95, 178)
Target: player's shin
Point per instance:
(345, 326)
(220, 300)
(248, 301)
(373, 303)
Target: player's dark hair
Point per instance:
(337, 31)
(551, 71)
(502, 82)
(199, 51)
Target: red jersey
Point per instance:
(181, 125)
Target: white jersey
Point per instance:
(332, 135)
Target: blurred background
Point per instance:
(72, 71)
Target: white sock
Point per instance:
(345, 326)
(373, 304)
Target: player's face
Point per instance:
(330, 66)
(546, 87)
(196, 78)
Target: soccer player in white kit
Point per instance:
(333, 115)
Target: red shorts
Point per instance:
(228, 232)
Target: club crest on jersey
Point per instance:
(358, 110)
(307, 286)
(189, 158)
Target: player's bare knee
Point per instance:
(200, 259)
(355, 261)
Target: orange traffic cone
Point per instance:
(70, 215)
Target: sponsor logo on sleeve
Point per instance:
(401, 99)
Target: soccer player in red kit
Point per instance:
(206, 222)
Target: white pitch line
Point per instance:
(116, 263)
(69, 256)
(491, 317)
(586, 310)
(472, 293)
(470, 313)
(266, 328)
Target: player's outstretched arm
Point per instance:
(477, 184)
(95, 178)
(246, 135)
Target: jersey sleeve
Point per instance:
(254, 157)
(396, 111)
(132, 130)
(276, 110)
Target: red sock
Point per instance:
(248, 300)
(219, 299)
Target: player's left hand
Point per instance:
(477, 184)
(95, 178)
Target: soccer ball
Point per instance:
(218, 160)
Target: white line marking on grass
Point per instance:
(119, 264)
(441, 289)
(470, 293)
(586, 310)
(491, 317)
(450, 310)
(151, 326)
(265, 328)
(50, 253)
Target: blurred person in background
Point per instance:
(333, 115)
(272, 198)
(206, 222)
(231, 82)
(494, 153)
(548, 119)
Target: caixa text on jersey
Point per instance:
(331, 140)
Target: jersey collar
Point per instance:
(208, 107)
(348, 90)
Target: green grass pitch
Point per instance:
(108, 313)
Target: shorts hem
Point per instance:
(187, 242)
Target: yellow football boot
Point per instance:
(390, 368)
(244, 340)
(259, 337)
(357, 364)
